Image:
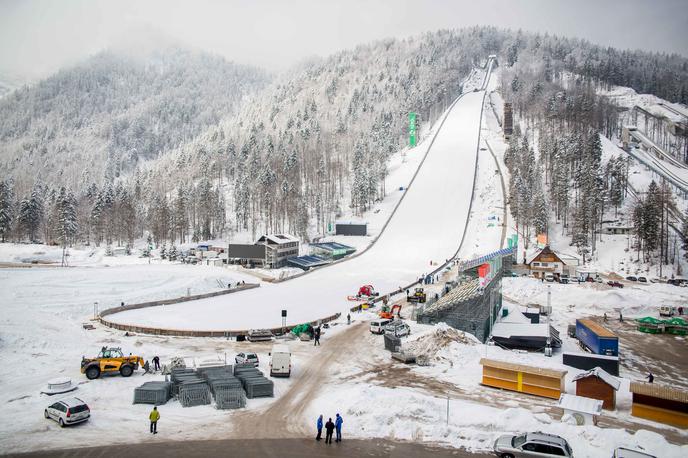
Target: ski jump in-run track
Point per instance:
(427, 225)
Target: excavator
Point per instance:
(388, 313)
(110, 360)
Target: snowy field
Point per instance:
(427, 226)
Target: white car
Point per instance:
(246, 358)
(397, 328)
(68, 411)
(621, 452)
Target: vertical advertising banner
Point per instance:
(412, 129)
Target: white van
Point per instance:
(280, 361)
(378, 326)
(667, 310)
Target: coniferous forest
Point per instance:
(185, 146)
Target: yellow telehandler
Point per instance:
(110, 360)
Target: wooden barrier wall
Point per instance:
(523, 379)
(176, 300)
(191, 332)
(666, 416)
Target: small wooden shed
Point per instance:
(660, 403)
(598, 384)
(539, 381)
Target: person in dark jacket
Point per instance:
(319, 425)
(156, 361)
(316, 336)
(329, 429)
(650, 378)
(338, 424)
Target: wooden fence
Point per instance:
(191, 332)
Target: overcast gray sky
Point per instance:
(37, 37)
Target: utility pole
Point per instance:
(548, 345)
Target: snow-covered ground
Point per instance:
(41, 337)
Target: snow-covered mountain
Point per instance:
(100, 118)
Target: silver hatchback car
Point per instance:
(532, 445)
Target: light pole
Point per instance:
(548, 345)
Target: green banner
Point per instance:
(412, 129)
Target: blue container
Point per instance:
(596, 338)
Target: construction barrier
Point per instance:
(548, 383)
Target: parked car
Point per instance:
(622, 452)
(655, 280)
(615, 284)
(564, 279)
(642, 279)
(549, 277)
(246, 358)
(631, 278)
(397, 328)
(68, 411)
(378, 326)
(532, 445)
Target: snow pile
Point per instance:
(404, 414)
(431, 346)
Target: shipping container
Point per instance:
(597, 338)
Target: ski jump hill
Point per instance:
(428, 225)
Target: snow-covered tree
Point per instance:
(7, 207)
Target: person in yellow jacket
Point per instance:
(154, 417)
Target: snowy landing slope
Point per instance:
(428, 225)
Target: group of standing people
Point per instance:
(330, 427)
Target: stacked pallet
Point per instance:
(190, 388)
(156, 393)
(254, 382)
(226, 389)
